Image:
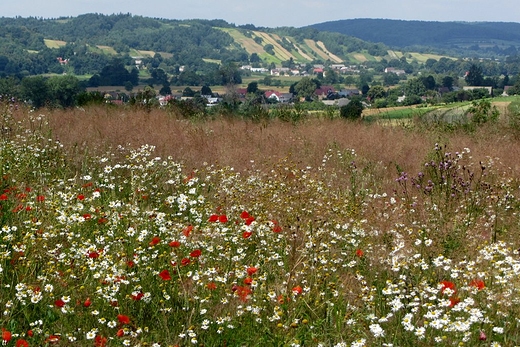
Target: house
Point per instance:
(241, 92)
(213, 101)
(324, 91)
(62, 61)
(346, 93)
(489, 89)
(337, 102)
(398, 72)
(280, 97)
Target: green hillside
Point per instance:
(89, 41)
(483, 39)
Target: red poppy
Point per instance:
(222, 218)
(211, 286)
(359, 253)
(40, 198)
(6, 336)
(454, 301)
(249, 220)
(243, 292)
(247, 234)
(81, 197)
(3, 197)
(195, 253)
(123, 319)
(447, 285)
(18, 208)
(87, 216)
(281, 299)
(22, 343)
(93, 255)
(186, 232)
(248, 281)
(120, 333)
(297, 290)
(137, 296)
(30, 333)
(213, 218)
(53, 338)
(130, 263)
(102, 220)
(276, 227)
(165, 275)
(100, 341)
(477, 283)
(189, 177)
(59, 303)
(155, 241)
(245, 215)
(251, 270)
(185, 261)
(87, 302)
(174, 244)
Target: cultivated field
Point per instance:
(121, 227)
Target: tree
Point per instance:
(254, 58)
(376, 92)
(305, 88)
(474, 76)
(390, 79)
(414, 87)
(352, 110)
(206, 90)
(429, 82)
(447, 82)
(129, 86)
(252, 87)
(36, 91)
(63, 90)
(165, 89)
(269, 48)
(230, 75)
(188, 92)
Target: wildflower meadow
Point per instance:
(122, 246)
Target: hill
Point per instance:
(88, 42)
(461, 38)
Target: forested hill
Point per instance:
(497, 37)
(88, 41)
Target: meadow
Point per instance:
(121, 227)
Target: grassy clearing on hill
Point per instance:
(125, 227)
(54, 43)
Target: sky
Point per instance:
(276, 13)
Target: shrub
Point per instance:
(352, 110)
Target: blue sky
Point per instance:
(275, 13)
